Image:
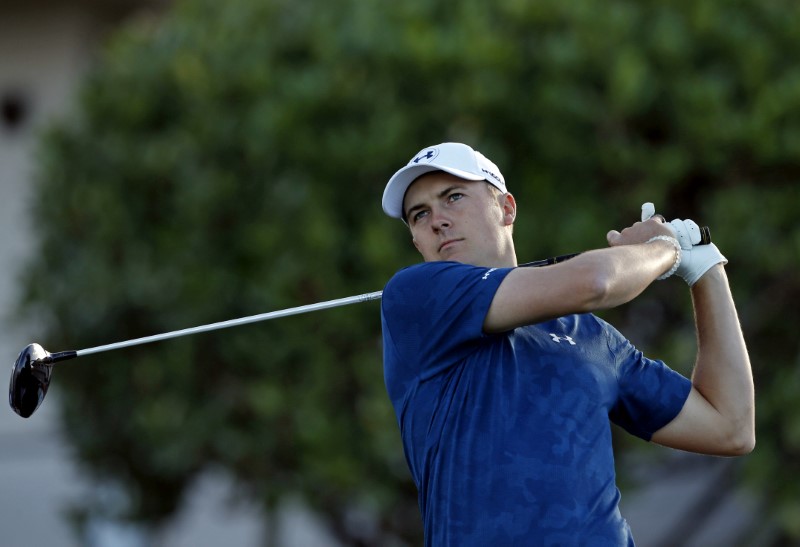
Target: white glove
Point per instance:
(687, 232)
(695, 259)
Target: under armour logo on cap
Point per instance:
(428, 154)
(455, 158)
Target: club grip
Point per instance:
(705, 239)
(705, 235)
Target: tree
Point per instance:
(229, 159)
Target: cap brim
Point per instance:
(397, 186)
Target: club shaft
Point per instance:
(366, 297)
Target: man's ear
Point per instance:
(509, 206)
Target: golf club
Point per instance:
(30, 376)
(32, 371)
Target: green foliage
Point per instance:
(230, 159)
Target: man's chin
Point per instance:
(455, 257)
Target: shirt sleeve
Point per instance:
(650, 394)
(433, 313)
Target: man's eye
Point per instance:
(418, 216)
(455, 196)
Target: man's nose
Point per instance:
(441, 221)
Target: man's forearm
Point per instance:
(595, 280)
(722, 372)
(627, 270)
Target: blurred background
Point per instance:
(169, 164)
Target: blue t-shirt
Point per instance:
(507, 436)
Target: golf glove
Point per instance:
(695, 259)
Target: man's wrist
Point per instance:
(677, 247)
(714, 274)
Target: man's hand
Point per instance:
(640, 232)
(696, 259)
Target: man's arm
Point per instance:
(719, 415)
(594, 280)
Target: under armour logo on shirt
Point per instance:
(557, 339)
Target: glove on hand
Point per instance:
(695, 259)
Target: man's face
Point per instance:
(460, 220)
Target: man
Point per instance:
(503, 381)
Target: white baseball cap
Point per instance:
(451, 157)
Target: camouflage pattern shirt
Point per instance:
(508, 436)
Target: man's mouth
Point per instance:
(448, 243)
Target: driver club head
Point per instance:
(30, 379)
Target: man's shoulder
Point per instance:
(427, 271)
(435, 265)
(442, 286)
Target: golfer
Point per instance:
(505, 384)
